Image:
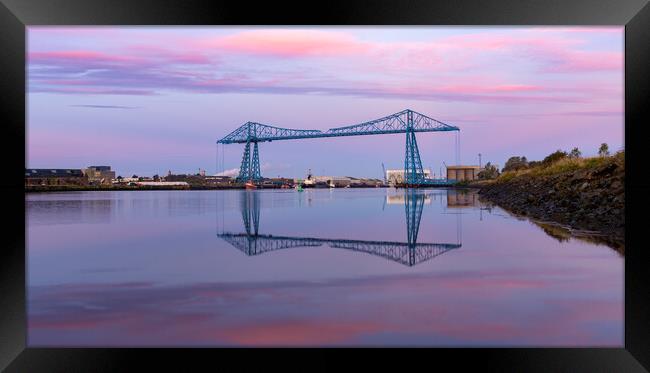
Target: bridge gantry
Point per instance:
(406, 121)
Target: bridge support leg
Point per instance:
(244, 169)
(256, 174)
(413, 172)
(250, 166)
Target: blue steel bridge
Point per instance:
(406, 121)
(408, 253)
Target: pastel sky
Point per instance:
(146, 100)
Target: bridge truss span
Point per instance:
(257, 132)
(402, 122)
(405, 121)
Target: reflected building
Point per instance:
(461, 198)
(408, 253)
(400, 199)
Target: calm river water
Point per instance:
(349, 267)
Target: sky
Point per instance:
(148, 100)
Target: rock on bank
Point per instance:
(584, 194)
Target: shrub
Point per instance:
(575, 153)
(515, 163)
(554, 157)
(489, 172)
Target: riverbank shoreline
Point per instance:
(60, 188)
(588, 196)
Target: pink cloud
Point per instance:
(300, 332)
(135, 56)
(77, 55)
(180, 55)
(289, 43)
(557, 52)
(347, 65)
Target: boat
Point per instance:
(250, 185)
(321, 184)
(299, 187)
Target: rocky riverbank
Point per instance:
(583, 194)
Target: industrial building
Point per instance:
(397, 176)
(339, 182)
(99, 174)
(217, 179)
(58, 176)
(163, 183)
(460, 173)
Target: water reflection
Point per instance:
(462, 198)
(408, 253)
(156, 274)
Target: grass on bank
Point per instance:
(562, 166)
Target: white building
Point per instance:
(397, 176)
(162, 183)
(400, 199)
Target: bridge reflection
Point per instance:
(408, 253)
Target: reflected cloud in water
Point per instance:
(403, 310)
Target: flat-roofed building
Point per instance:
(54, 176)
(163, 183)
(397, 176)
(100, 174)
(460, 173)
(218, 180)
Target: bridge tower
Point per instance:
(413, 172)
(250, 166)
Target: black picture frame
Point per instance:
(15, 15)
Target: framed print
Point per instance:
(200, 178)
